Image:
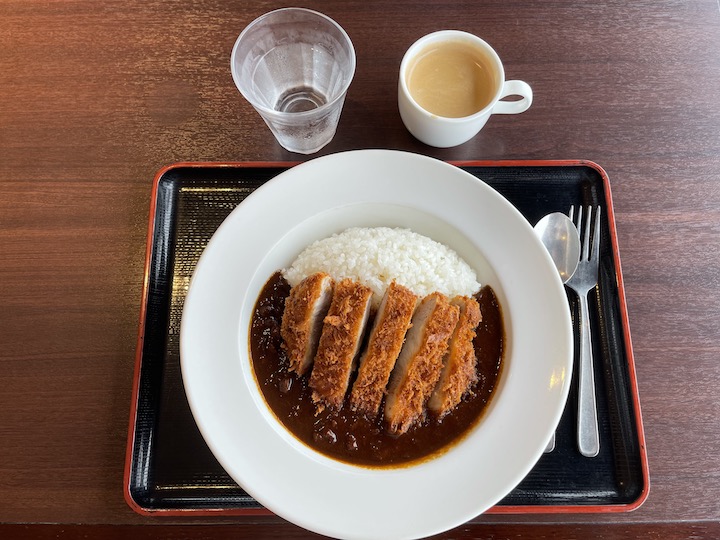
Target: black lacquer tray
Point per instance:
(169, 468)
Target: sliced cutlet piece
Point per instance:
(459, 370)
(340, 342)
(302, 321)
(418, 367)
(386, 339)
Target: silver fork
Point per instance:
(582, 282)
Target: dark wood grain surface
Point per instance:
(95, 97)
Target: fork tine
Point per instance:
(578, 220)
(596, 236)
(586, 240)
(572, 213)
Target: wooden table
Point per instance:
(96, 97)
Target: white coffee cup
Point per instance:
(444, 131)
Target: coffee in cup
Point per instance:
(451, 79)
(450, 84)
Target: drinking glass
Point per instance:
(294, 66)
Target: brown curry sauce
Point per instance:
(351, 437)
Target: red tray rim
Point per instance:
(504, 510)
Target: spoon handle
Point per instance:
(588, 437)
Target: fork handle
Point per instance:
(588, 437)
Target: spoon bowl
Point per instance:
(560, 237)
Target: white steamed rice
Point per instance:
(376, 256)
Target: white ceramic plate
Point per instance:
(373, 188)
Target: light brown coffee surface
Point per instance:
(452, 79)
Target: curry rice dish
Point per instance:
(376, 384)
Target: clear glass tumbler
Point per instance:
(294, 66)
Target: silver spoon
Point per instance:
(560, 237)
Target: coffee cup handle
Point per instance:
(514, 88)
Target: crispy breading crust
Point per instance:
(460, 363)
(410, 389)
(339, 343)
(297, 320)
(386, 339)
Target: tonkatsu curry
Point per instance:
(377, 346)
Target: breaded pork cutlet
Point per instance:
(459, 370)
(302, 321)
(340, 342)
(418, 367)
(386, 339)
